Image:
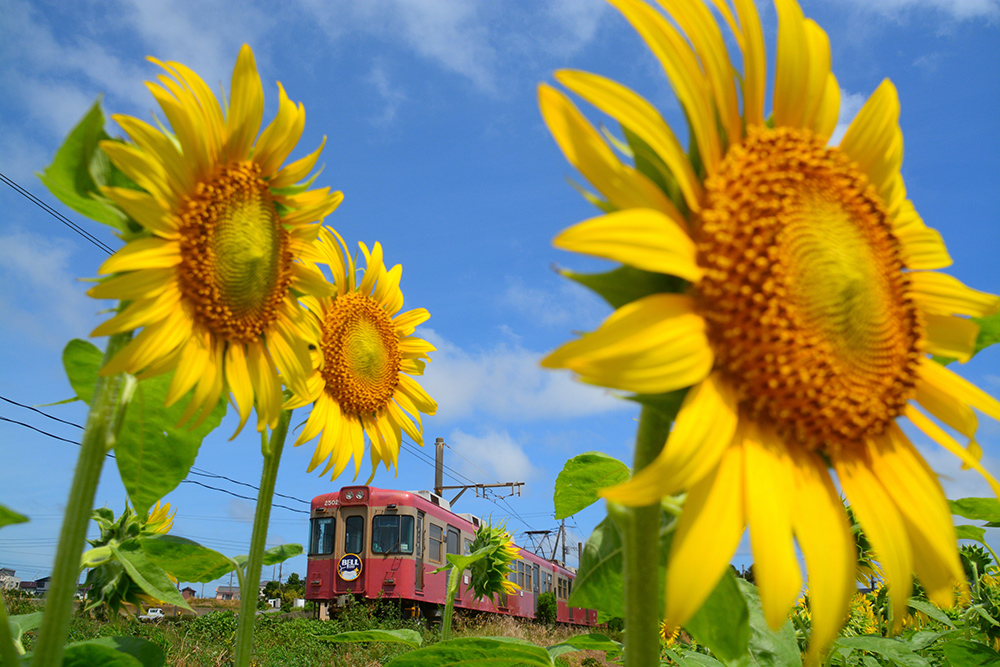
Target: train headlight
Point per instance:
(360, 495)
(349, 495)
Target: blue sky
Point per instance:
(434, 137)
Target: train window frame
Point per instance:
(457, 534)
(329, 535)
(435, 544)
(359, 521)
(400, 541)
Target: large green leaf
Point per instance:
(143, 650)
(274, 555)
(626, 284)
(667, 405)
(895, 651)
(723, 622)
(589, 642)
(184, 559)
(71, 176)
(977, 509)
(582, 477)
(767, 647)
(150, 577)
(970, 654)
(22, 623)
(93, 654)
(9, 517)
(82, 360)
(599, 583)
(476, 652)
(153, 454)
(964, 532)
(408, 637)
(932, 611)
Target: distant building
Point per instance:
(7, 579)
(227, 593)
(28, 587)
(42, 586)
(187, 592)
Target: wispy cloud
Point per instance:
(568, 304)
(392, 95)
(39, 296)
(493, 452)
(956, 9)
(506, 381)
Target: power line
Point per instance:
(183, 481)
(57, 215)
(194, 471)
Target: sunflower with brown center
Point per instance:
(211, 280)
(364, 356)
(810, 308)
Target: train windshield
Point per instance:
(322, 536)
(392, 534)
(354, 534)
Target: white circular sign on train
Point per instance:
(349, 567)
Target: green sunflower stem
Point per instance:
(449, 606)
(107, 407)
(640, 528)
(8, 652)
(251, 575)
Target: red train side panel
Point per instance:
(378, 543)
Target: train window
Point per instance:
(436, 538)
(520, 574)
(354, 534)
(392, 534)
(454, 538)
(323, 529)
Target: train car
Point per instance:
(369, 543)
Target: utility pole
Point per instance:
(562, 529)
(439, 487)
(439, 466)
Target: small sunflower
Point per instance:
(810, 307)
(160, 519)
(491, 575)
(364, 356)
(211, 277)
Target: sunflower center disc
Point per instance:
(804, 291)
(235, 258)
(361, 358)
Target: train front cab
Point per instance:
(346, 561)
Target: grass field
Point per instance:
(206, 640)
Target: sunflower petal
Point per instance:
(640, 237)
(942, 294)
(246, 106)
(707, 535)
(934, 432)
(952, 337)
(942, 378)
(651, 345)
(703, 431)
(151, 253)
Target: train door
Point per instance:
(418, 580)
(534, 586)
(351, 566)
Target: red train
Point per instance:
(373, 543)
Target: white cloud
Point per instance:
(575, 23)
(39, 296)
(391, 94)
(956, 9)
(568, 304)
(494, 452)
(506, 382)
(850, 105)
(240, 510)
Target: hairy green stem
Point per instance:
(106, 409)
(641, 552)
(255, 560)
(449, 605)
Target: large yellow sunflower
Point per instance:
(364, 356)
(211, 278)
(804, 330)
